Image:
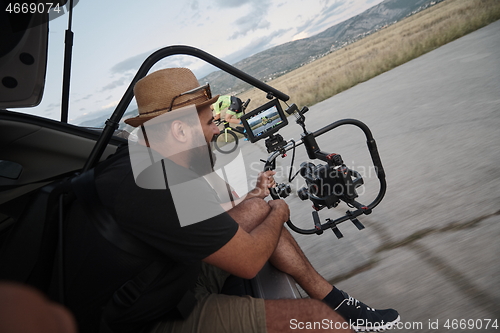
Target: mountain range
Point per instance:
(284, 58)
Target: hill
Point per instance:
(284, 58)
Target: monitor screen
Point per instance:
(264, 121)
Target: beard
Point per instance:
(202, 159)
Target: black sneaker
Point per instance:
(363, 318)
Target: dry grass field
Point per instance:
(381, 51)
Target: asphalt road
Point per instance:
(430, 249)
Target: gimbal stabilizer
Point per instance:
(327, 184)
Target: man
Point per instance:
(144, 194)
(232, 105)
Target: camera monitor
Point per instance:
(264, 121)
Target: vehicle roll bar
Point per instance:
(113, 122)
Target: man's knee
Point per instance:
(250, 213)
(257, 204)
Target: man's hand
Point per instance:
(265, 180)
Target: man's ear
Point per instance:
(179, 130)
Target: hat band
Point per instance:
(180, 104)
(206, 92)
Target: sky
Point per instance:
(113, 38)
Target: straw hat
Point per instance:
(167, 90)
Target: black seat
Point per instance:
(29, 252)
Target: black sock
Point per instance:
(334, 298)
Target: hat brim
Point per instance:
(141, 119)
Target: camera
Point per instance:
(328, 184)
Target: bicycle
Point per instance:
(227, 140)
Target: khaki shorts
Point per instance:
(218, 313)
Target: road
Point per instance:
(430, 249)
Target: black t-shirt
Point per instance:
(95, 268)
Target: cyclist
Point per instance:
(234, 108)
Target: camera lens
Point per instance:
(284, 190)
(306, 168)
(303, 193)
